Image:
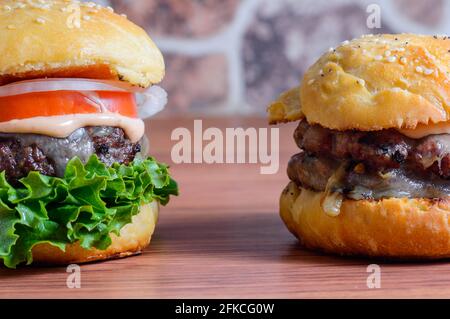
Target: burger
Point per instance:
(372, 174)
(76, 183)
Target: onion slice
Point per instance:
(149, 101)
(65, 84)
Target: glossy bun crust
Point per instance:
(133, 239)
(396, 228)
(57, 38)
(373, 83)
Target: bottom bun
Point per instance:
(395, 227)
(133, 239)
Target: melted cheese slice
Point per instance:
(423, 130)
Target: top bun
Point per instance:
(57, 38)
(375, 82)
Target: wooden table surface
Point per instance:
(223, 238)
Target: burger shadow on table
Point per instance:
(257, 236)
(231, 238)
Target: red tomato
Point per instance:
(64, 103)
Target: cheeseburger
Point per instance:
(76, 183)
(372, 174)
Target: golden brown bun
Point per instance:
(394, 227)
(377, 82)
(38, 41)
(286, 108)
(133, 239)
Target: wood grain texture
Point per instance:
(223, 238)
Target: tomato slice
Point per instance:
(64, 103)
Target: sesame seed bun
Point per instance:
(57, 38)
(373, 83)
(394, 228)
(133, 239)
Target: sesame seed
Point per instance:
(378, 57)
(123, 15)
(92, 11)
(387, 53)
(403, 60)
(401, 49)
(345, 42)
(392, 59)
(11, 27)
(310, 82)
(40, 20)
(428, 71)
(362, 82)
(330, 49)
(7, 8)
(41, 5)
(419, 69)
(86, 18)
(110, 9)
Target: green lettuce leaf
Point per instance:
(89, 203)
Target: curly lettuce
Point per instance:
(89, 203)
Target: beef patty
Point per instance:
(22, 153)
(372, 164)
(377, 150)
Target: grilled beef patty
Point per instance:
(378, 150)
(22, 153)
(371, 164)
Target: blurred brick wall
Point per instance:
(235, 56)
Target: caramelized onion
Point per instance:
(331, 204)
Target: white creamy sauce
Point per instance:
(62, 126)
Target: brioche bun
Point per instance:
(394, 227)
(39, 39)
(374, 83)
(133, 239)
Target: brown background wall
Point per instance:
(235, 56)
